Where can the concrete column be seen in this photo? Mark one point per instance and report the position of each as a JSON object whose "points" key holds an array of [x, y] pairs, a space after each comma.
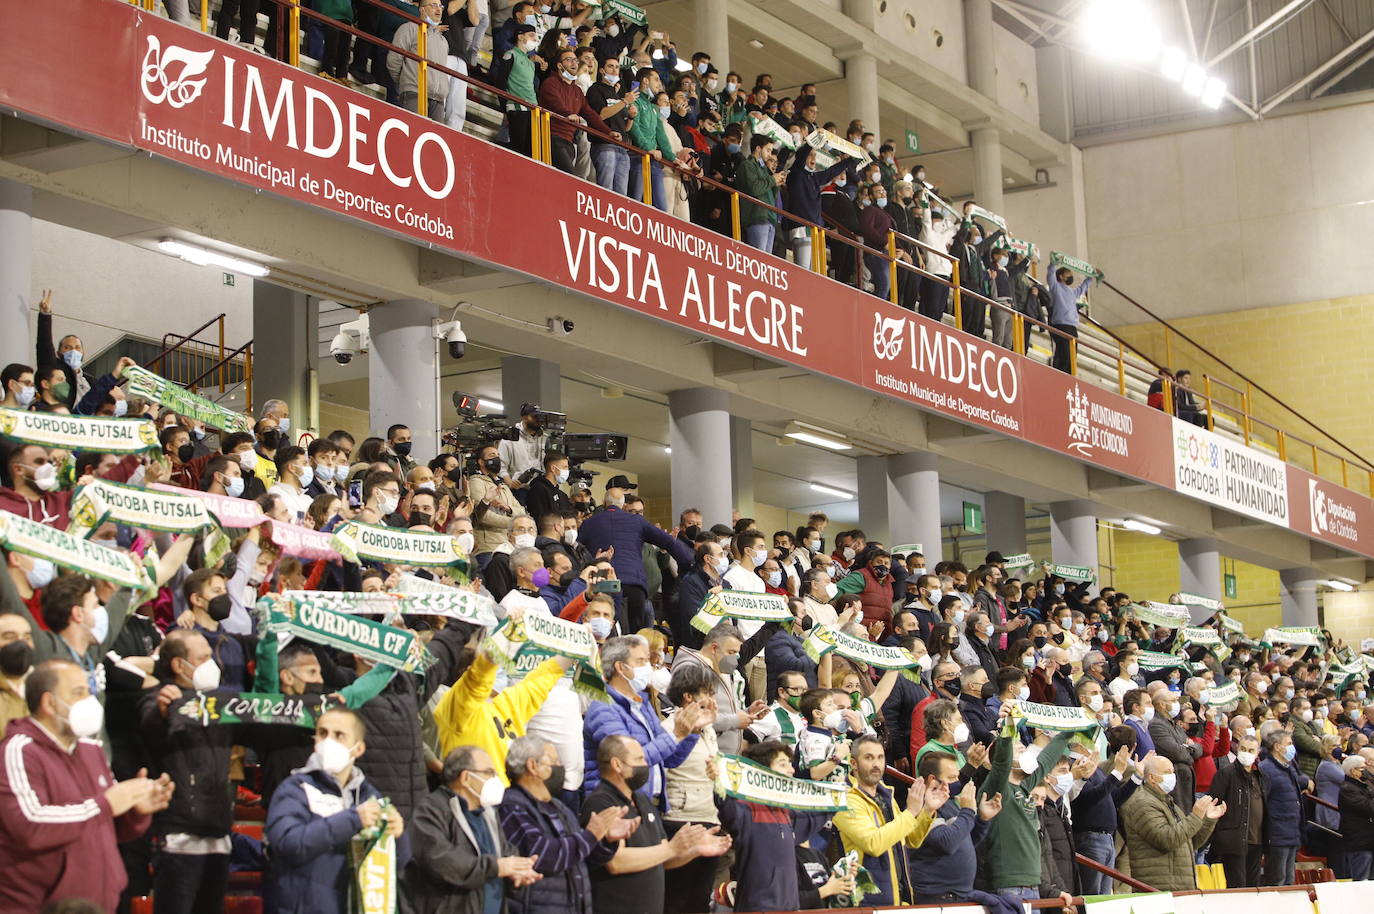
{"points": [[980, 51], [742, 465], [526, 380], [16, 272], [915, 511], [861, 77], [1199, 567], [1005, 519], [1052, 84], [401, 371], [863, 12], [1073, 533], [987, 167], [875, 499], [713, 37], [699, 434], [1298, 595], [285, 333]]}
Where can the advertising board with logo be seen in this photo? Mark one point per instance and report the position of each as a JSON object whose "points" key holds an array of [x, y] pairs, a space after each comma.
{"points": [[1328, 512], [1085, 421], [1226, 473], [144, 82]]}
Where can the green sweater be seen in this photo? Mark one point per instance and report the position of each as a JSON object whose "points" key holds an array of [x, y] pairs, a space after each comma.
{"points": [[1013, 838], [754, 179], [520, 78], [646, 130]]}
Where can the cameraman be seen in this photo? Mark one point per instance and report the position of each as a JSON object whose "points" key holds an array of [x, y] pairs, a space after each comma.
{"points": [[525, 453], [493, 505], [544, 495]]}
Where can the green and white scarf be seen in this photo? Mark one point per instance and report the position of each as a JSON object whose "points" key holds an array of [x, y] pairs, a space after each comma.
{"points": [[1169, 615], [144, 383], [312, 619], [80, 433], [822, 639], [1060, 259], [96, 502], [1021, 560], [356, 541], [1205, 637], [1303, 636], [1070, 572], [518, 643], [20, 534], [1224, 697], [463, 605], [1207, 603], [1157, 660], [863, 881], [221, 708], [741, 604], [372, 857], [745, 780], [989, 215], [1053, 717], [1235, 626]]}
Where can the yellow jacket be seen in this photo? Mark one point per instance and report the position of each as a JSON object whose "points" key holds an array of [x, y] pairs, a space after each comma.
{"points": [[864, 828], [468, 715]]}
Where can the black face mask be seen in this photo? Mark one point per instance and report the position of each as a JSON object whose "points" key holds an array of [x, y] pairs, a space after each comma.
{"points": [[806, 622], [555, 780], [1039, 641], [313, 688], [880, 571], [402, 448], [16, 658], [692, 532], [639, 776], [492, 465], [420, 518], [219, 607], [455, 475], [272, 439], [186, 452], [567, 577]]}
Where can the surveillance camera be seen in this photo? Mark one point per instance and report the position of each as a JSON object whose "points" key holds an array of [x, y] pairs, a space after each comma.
{"points": [[559, 326], [344, 346], [457, 340]]}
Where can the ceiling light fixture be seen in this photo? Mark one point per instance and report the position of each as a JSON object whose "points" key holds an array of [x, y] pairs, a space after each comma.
{"points": [[1173, 63], [203, 257], [1340, 585], [492, 404], [1194, 80], [1140, 526], [810, 434], [1122, 28], [667, 450], [756, 44], [1213, 92], [828, 490]]}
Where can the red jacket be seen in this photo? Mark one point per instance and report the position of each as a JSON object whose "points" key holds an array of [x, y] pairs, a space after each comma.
{"points": [[918, 724], [876, 598], [1213, 748], [59, 836], [567, 99], [54, 508]]}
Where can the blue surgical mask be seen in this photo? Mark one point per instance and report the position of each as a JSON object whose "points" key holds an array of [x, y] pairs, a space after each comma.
{"points": [[1290, 752], [234, 487], [775, 579], [73, 359], [732, 148], [1167, 782], [41, 574], [284, 425], [601, 627], [307, 476], [121, 408], [26, 395]]}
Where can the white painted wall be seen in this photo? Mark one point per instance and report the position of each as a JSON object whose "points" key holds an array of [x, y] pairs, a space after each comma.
{"points": [[929, 19], [1017, 88], [1242, 216], [104, 288], [1051, 215]]}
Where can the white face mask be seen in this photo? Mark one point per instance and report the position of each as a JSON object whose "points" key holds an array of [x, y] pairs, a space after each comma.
{"points": [[722, 564], [925, 663], [205, 678], [1095, 703], [1307, 715], [1246, 759], [988, 629], [935, 596], [100, 624], [660, 679], [613, 30], [1148, 713], [248, 459], [584, 81], [848, 553], [813, 545], [466, 541], [121, 408], [831, 591], [570, 536], [45, 478], [41, 574], [335, 757], [641, 677], [389, 504], [836, 721], [775, 579], [524, 540], [86, 717], [759, 556], [1024, 694], [961, 732], [1132, 669], [492, 793], [1030, 759], [1168, 782], [1063, 783]]}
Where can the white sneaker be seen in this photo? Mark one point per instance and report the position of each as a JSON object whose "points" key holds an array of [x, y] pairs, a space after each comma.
{"points": [[233, 35]]}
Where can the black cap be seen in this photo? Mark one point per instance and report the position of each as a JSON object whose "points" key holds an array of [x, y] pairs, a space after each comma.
{"points": [[620, 482], [524, 29], [994, 558]]}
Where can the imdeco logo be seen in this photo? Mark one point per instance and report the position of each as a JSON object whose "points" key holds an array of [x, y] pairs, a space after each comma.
{"points": [[888, 333], [169, 77]]}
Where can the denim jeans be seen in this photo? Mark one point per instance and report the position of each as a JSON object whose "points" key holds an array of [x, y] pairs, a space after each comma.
{"points": [[1019, 892], [612, 167], [1357, 864], [1280, 864], [472, 39], [760, 235], [879, 273], [636, 182], [1095, 845]]}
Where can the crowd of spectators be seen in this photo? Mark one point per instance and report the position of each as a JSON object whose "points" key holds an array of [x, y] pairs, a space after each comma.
{"points": [[508, 787], [612, 79]]}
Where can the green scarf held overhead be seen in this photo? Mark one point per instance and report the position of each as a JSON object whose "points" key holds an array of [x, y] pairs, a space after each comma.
{"points": [[144, 383], [740, 604], [517, 644], [745, 780], [314, 620]]}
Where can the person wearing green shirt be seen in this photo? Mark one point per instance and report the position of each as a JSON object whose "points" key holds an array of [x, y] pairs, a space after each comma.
{"points": [[1013, 838], [648, 133], [519, 72], [756, 180]]}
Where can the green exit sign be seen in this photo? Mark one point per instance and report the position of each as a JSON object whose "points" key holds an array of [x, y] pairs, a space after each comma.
{"points": [[973, 517], [913, 142], [1229, 581], [229, 279]]}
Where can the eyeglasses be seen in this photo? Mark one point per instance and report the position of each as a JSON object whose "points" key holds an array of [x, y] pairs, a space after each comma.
{"points": [[795, 690]]}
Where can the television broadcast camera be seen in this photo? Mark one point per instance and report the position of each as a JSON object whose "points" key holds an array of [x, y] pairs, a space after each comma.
{"points": [[474, 432]]}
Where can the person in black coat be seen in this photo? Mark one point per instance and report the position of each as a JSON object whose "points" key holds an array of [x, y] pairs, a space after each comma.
{"points": [[1238, 840], [544, 496], [1356, 802], [704, 577], [842, 215]]}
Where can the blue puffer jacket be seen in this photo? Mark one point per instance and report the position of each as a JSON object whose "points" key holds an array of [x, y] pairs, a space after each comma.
{"points": [[627, 533], [661, 748], [784, 653], [309, 825], [1283, 818]]}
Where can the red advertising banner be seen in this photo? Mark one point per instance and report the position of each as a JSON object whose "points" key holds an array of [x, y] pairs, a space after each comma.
{"points": [[140, 80], [1328, 512]]}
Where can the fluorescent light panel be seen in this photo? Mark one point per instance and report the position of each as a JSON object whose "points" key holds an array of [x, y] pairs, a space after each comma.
{"points": [[203, 257], [1140, 526], [827, 490], [1339, 585]]}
